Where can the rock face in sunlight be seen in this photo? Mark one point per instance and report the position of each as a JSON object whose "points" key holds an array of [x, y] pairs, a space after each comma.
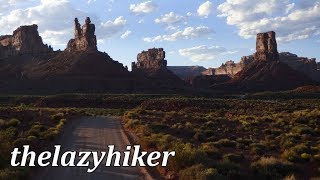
{"points": [[153, 59], [84, 38], [266, 47], [229, 68], [24, 41], [151, 70]]}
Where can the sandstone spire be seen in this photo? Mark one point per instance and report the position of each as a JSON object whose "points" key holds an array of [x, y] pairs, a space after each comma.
{"points": [[266, 47], [84, 38]]}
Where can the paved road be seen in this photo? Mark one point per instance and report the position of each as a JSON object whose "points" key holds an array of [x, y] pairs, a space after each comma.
{"points": [[93, 134]]}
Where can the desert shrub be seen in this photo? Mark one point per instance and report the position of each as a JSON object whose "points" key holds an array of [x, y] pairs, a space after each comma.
{"points": [[187, 156], [209, 133], [290, 177], [34, 131], [258, 148], [32, 138], [2, 123], [301, 148], [316, 157], [20, 142], [289, 140], [290, 155], [199, 136], [306, 156], [157, 127], [294, 154], [303, 129], [272, 168], [147, 143], [229, 169], [236, 158], [211, 151], [13, 122], [61, 123], [57, 117], [51, 134], [158, 141], [131, 123], [225, 143], [199, 172], [244, 141], [12, 173], [8, 134]]}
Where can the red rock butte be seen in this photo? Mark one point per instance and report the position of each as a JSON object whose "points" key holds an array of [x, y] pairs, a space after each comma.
{"points": [[153, 59], [24, 41]]}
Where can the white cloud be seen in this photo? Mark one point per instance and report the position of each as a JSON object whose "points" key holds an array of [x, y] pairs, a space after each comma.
{"points": [[111, 28], [55, 37], [289, 7], [169, 19], [172, 52], [143, 8], [204, 53], [55, 21], [100, 41], [290, 21], [187, 33], [205, 9], [125, 34], [13, 2], [90, 1], [52, 17]]}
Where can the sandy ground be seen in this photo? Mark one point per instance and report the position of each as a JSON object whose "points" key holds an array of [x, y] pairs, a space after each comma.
{"points": [[92, 134]]}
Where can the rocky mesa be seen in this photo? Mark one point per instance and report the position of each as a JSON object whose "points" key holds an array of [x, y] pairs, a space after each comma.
{"points": [[24, 41], [28, 65]]}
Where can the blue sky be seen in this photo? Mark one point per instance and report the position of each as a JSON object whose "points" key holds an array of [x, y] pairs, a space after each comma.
{"points": [[197, 32]]}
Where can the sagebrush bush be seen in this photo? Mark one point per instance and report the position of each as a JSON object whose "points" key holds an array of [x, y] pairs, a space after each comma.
{"points": [[13, 122], [271, 167], [187, 156], [232, 157], [225, 143], [57, 117], [199, 172]]}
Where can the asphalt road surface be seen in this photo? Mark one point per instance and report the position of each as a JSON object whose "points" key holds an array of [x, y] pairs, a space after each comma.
{"points": [[92, 134]]}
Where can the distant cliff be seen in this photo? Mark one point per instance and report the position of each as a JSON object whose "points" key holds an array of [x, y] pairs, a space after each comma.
{"points": [[187, 72], [305, 65]]}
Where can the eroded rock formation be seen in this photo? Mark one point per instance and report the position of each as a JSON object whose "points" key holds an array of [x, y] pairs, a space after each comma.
{"points": [[84, 38], [266, 72], [152, 73], [304, 65], [266, 47], [229, 68], [24, 41], [151, 60]]}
